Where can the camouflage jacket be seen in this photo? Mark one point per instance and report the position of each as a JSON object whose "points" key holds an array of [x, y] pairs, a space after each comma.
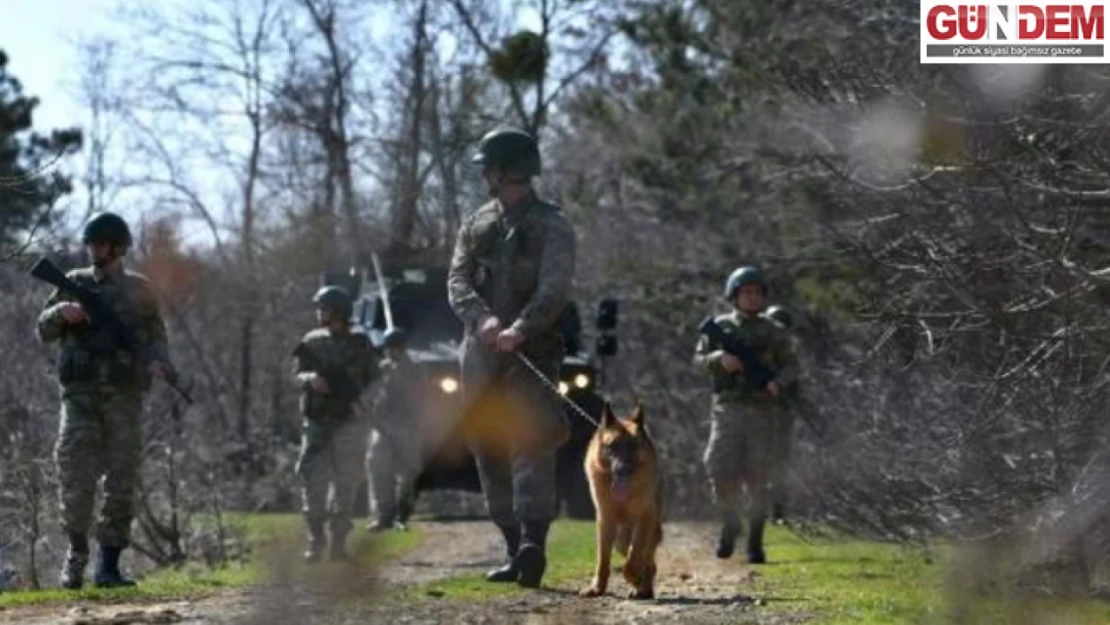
{"points": [[398, 399], [88, 357], [516, 263], [772, 344], [347, 362]]}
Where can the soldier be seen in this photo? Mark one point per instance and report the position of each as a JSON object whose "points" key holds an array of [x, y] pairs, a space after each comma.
{"points": [[394, 461], [102, 388], [509, 280], [745, 419], [332, 367], [785, 432]]}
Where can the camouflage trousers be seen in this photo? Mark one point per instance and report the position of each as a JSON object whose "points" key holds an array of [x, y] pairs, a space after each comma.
{"points": [[332, 453], [784, 449], [515, 426], [743, 455], [394, 463], [100, 436]]}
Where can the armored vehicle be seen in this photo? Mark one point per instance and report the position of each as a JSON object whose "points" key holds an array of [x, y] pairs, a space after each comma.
{"points": [[418, 304]]}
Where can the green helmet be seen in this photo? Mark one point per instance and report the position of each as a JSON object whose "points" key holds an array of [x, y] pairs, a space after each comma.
{"points": [[781, 315], [394, 337], [107, 228], [336, 298], [742, 276], [511, 149]]}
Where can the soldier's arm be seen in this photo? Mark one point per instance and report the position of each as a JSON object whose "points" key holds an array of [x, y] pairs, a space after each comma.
{"points": [[786, 356], [553, 282], [303, 375], [154, 336], [468, 305], [707, 356], [50, 322]]}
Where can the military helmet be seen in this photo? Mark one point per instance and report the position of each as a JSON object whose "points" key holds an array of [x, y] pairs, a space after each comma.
{"points": [[742, 276], [394, 337], [107, 228], [781, 315], [336, 298], [511, 149]]}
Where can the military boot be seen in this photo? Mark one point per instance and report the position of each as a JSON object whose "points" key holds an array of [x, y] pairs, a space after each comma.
{"points": [[73, 570], [508, 572], [531, 558], [107, 572], [726, 542], [338, 551], [316, 542], [755, 542]]}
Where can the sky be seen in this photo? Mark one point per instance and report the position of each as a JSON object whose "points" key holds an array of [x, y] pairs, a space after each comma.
{"points": [[40, 36]]}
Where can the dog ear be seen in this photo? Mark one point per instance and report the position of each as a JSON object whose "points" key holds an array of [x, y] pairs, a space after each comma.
{"points": [[638, 414], [608, 419]]}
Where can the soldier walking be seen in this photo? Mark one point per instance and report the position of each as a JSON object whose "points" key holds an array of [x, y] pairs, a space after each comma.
{"points": [[332, 367], [745, 419], [102, 388], [509, 280], [394, 461]]}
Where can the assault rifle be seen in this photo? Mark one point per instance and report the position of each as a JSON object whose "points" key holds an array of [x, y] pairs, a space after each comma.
{"points": [[102, 317], [754, 370]]}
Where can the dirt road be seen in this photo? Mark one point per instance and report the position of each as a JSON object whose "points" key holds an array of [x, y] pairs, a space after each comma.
{"points": [[693, 587]]}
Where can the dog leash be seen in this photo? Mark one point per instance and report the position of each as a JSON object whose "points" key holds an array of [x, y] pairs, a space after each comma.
{"points": [[551, 386]]}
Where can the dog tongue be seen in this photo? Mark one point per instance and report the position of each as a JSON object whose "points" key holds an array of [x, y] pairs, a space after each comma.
{"points": [[620, 488]]}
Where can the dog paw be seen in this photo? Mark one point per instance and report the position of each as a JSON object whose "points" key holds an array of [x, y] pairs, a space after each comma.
{"points": [[641, 593], [591, 591]]}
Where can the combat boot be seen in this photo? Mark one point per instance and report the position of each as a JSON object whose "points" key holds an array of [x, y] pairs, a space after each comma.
{"points": [[107, 573], [73, 570], [338, 551], [508, 572], [755, 542], [531, 558], [726, 542], [316, 542]]}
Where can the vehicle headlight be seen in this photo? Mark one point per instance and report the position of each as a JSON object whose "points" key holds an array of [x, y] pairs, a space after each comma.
{"points": [[563, 388], [449, 385], [581, 380]]}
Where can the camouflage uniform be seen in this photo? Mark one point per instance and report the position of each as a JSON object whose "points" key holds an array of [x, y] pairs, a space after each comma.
{"points": [[745, 422], [102, 388], [394, 461], [334, 433], [514, 262]]}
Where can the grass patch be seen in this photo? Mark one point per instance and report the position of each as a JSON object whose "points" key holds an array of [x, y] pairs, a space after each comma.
{"points": [[262, 532]]}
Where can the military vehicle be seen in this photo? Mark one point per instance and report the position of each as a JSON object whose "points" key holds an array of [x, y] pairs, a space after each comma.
{"points": [[419, 305]]}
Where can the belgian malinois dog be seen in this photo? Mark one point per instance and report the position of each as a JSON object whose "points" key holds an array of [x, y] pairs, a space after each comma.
{"points": [[623, 469]]}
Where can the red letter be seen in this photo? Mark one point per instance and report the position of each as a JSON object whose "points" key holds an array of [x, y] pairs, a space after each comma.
{"points": [[1082, 25], [1057, 16], [1035, 19], [940, 28], [979, 15]]}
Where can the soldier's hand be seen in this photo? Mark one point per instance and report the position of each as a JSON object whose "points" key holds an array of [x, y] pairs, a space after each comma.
{"points": [[774, 389], [509, 340], [320, 385], [731, 363], [489, 330], [72, 312]]}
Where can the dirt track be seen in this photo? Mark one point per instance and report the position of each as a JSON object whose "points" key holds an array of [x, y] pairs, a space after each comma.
{"points": [[693, 587]]}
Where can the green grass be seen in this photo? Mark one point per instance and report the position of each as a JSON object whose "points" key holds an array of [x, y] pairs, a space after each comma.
{"points": [[264, 533], [836, 581]]}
